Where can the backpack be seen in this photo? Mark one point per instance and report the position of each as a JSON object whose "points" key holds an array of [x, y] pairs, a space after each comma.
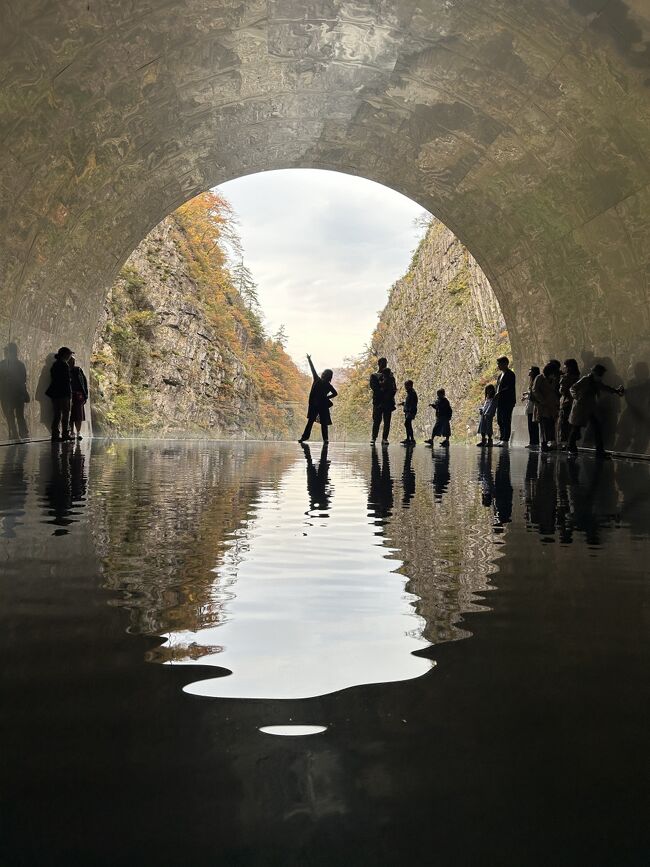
{"points": [[388, 383]]}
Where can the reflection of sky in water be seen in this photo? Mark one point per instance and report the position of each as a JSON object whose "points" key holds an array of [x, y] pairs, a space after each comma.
{"points": [[312, 604]]}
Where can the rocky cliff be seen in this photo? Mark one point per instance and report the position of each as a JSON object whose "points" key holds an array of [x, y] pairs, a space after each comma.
{"points": [[442, 327], [178, 351]]}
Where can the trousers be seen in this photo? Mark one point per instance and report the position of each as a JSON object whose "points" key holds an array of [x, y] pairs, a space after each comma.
{"points": [[504, 421], [533, 430], [574, 436], [61, 407], [379, 414], [310, 423]]}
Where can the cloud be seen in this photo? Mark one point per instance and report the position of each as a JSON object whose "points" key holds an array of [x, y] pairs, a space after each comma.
{"points": [[325, 249]]}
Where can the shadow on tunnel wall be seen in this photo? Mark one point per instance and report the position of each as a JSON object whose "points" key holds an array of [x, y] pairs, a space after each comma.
{"points": [[14, 395], [625, 421], [46, 413]]}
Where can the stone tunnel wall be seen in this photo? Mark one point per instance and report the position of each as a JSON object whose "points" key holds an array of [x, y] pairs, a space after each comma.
{"points": [[524, 127]]}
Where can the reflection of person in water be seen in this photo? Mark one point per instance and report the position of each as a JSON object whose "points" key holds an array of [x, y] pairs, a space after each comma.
{"points": [[380, 492], [65, 486], [545, 504], [318, 481], [13, 489], [485, 479], [13, 393], [408, 479], [503, 491], [496, 491], [441, 474]]}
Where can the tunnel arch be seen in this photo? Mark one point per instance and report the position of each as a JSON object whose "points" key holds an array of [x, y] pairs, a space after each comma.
{"points": [[524, 127]]}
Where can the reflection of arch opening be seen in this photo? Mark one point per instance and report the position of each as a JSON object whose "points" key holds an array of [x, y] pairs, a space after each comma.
{"points": [[523, 128]]}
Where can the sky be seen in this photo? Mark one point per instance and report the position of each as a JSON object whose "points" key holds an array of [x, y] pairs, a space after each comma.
{"points": [[324, 249]]}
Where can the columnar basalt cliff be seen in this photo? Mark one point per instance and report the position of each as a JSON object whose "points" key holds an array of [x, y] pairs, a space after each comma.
{"points": [[179, 351], [442, 327]]}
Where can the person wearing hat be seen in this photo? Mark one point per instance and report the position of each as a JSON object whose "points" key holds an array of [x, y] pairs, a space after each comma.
{"points": [[60, 393]]}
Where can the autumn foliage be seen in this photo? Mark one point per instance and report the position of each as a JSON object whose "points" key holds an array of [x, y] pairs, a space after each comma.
{"points": [[211, 245]]}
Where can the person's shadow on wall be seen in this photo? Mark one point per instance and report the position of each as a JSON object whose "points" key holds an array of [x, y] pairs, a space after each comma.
{"points": [[634, 423], [46, 413], [13, 393], [609, 405]]}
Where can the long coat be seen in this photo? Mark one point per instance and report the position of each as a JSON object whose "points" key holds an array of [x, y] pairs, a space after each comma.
{"points": [[61, 384], [547, 401], [585, 399]]}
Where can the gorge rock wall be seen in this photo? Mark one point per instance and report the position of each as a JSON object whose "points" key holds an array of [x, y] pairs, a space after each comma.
{"points": [[442, 327], [169, 360]]}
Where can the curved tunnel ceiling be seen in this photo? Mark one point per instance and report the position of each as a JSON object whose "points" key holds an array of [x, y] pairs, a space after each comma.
{"points": [[523, 125]]}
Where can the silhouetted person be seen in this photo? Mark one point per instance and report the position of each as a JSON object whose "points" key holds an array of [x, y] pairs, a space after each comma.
{"points": [[533, 424], [634, 423], [547, 405], [442, 425], [79, 385], [60, 393], [13, 393], [555, 372], [486, 415], [570, 375], [380, 490], [319, 402], [318, 480], [410, 404], [585, 394], [408, 480], [441, 475], [506, 397], [383, 386]]}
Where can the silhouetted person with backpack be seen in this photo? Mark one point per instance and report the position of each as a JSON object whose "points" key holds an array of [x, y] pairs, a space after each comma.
{"points": [[60, 393], [383, 387], [319, 402]]}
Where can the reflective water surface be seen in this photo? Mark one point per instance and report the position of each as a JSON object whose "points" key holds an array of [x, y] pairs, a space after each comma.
{"points": [[466, 633]]}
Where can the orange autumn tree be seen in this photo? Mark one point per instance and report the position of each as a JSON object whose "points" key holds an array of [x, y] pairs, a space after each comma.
{"points": [[210, 243]]}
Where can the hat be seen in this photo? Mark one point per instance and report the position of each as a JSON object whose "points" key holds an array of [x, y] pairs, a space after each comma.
{"points": [[64, 350]]}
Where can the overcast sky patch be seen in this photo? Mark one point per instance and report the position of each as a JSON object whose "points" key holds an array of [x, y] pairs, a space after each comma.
{"points": [[325, 248]]}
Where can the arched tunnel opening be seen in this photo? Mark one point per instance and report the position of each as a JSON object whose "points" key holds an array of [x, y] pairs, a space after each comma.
{"points": [[350, 271]]}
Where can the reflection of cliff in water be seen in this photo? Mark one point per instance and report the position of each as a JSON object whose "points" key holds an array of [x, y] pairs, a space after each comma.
{"points": [[172, 528], [165, 518], [439, 528]]}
